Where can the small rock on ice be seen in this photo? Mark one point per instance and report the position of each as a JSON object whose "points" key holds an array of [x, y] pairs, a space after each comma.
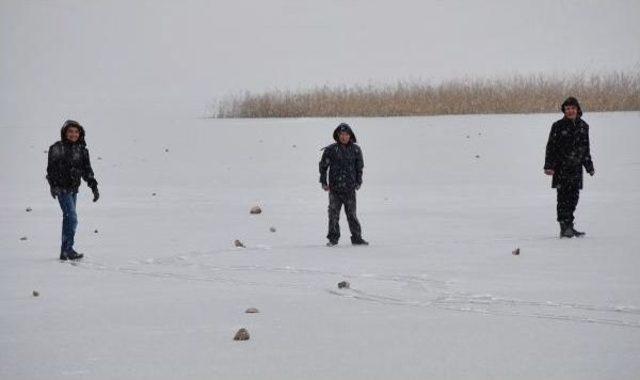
{"points": [[516, 252], [344, 285], [23, 238], [28, 209], [35, 293], [272, 229], [238, 243], [256, 210], [252, 310], [242, 334]]}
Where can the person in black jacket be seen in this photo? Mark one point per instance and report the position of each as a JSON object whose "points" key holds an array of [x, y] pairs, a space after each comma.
{"points": [[343, 160], [68, 163], [567, 153]]}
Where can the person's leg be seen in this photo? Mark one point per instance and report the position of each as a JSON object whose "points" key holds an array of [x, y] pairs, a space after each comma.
{"points": [[350, 210], [69, 220], [335, 205], [567, 202], [563, 207], [74, 220], [572, 202]]}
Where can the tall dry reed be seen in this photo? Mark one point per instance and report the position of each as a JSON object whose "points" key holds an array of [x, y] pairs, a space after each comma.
{"points": [[518, 94]]}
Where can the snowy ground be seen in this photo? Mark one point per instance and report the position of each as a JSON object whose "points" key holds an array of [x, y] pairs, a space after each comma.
{"points": [[438, 294]]}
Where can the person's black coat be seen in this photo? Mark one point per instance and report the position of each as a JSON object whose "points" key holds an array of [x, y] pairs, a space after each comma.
{"points": [[568, 152], [69, 162], [343, 162]]}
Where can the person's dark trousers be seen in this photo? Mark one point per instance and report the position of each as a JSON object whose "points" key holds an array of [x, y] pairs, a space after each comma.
{"points": [[67, 200], [567, 202], [336, 200]]}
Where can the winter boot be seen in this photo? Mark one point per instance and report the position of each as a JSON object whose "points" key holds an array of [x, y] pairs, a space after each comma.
{"points": [[332, 243], [358, 241], [577, 233], [71, 255], [566, 231]]}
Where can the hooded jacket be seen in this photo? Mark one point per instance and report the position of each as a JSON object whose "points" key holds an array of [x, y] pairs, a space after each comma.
{"points": [[344, 163], [568, 149], [69, 162]]}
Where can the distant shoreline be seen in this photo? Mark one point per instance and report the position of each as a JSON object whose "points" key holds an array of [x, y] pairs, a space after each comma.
{"points": [[615, 91]]}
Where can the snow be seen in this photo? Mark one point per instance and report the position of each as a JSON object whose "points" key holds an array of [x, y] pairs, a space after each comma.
{"points": [[438, 294]]}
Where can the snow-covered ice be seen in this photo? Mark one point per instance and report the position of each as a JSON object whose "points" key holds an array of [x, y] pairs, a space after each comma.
{"points": [[438, 294]]}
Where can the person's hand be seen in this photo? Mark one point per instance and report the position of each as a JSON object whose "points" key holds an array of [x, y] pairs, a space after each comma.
{"points": [[549, 172], [591, 173], [54, 192], [96, 194], [325, 187]]}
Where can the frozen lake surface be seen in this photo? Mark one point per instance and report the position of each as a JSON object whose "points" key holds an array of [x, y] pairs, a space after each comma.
{"points": [[438, 294]]}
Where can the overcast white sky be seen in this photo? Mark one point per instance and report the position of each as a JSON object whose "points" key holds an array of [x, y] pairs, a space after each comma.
{"points": [[177, 56]]}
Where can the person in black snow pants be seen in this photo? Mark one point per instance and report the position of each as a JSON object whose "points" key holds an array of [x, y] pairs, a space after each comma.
{"points": [[567, 153], [68, 163], [343, 160]]}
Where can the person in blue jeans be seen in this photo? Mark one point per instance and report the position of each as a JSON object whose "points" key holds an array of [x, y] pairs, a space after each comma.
{"points": [[68, 163]]}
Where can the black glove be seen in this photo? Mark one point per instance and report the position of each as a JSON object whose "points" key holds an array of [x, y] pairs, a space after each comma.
{"points": [[54, 192], [96, 194]]}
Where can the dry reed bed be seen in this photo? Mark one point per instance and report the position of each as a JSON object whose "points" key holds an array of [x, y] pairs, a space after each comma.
{"points": [[519, 94]]}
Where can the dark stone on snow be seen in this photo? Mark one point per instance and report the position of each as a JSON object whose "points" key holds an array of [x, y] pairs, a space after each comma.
{"points": [[23, 238], [516, 252], [242, 334], [35, 293], [344, 285], [255, 210], [238, 243], [28, 209], [252, 310]]}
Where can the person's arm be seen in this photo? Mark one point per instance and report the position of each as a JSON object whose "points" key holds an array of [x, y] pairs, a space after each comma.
{"points": [[51, 172], [325, 162], [551, 155], [88, 176], [586, 160], [359, 167]]}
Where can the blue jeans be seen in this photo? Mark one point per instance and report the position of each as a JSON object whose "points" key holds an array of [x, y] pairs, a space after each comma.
{"points": [[67, 202]]}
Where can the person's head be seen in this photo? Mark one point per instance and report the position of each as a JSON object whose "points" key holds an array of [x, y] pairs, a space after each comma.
{"points": [[571, 108], [343, 134], [72, 132], [344, 138]]}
